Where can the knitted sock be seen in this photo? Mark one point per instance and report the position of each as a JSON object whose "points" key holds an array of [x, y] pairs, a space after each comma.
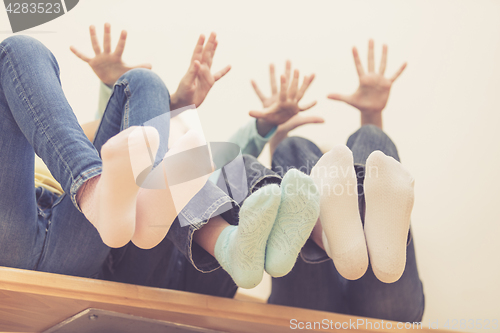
{"points": [[389, 201], [343, 231], [109, 201], [297, 215], [241, 249], [158, 208]]}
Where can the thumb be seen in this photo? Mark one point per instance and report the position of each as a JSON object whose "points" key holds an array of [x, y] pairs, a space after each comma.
{"points": [[300, 121], [147, 66], [339, 97], [257, 114]]}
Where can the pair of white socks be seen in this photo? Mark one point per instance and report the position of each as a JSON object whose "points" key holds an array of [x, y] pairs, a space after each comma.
{"points": [[118, 207], [388, 190]]}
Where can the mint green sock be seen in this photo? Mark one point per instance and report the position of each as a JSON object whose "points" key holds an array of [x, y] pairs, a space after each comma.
{"points": [[241, 249], [297, 215]]}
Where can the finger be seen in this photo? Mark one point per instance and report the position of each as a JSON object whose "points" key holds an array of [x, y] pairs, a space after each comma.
{"points": [[294, 86], [288, 71], [257, 91], [305, 85], [274, 87], [208, 51], [198, 49], [257, 114], [79, 54], [94, 40], [339, 97], [192, 72], [298, 121], [107, 38], [357, 62], [283, 89], [222, 72], [120, 47], [383, 61], [147, 66], [398, 73], [307, 107], [371, 57]]}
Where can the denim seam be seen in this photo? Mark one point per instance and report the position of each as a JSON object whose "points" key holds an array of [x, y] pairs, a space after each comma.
{"points": [[317, 261], [126, 112], [86, 175], [40, 127], [261, 179], [218, 204]]}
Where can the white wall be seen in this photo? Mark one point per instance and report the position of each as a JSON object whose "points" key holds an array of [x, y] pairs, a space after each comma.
{"points": [[443, 112]]}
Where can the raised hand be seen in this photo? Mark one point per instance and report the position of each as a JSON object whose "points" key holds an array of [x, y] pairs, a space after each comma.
{"points": [[107, 65], [195, 85], [374, 88], [282, 106]]}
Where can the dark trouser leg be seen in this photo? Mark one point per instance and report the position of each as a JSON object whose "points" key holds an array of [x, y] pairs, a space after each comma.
{"points": [[319, 286], [402, 300], [314, 282]]}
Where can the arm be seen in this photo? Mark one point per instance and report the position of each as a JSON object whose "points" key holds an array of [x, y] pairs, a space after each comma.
{"points": [[373, 92]]}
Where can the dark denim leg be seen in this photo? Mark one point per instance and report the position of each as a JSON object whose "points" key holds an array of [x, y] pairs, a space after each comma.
{"points": [[404, 299], [315, 286], [314, 282], [198, 274]]}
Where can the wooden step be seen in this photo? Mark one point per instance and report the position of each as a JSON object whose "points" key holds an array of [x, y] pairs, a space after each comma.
{"points": [[33, 302]]}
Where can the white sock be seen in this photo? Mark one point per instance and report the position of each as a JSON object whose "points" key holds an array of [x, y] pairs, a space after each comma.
{"points": [[335, 178], [158, 208], [109, 201], [389, 201]]}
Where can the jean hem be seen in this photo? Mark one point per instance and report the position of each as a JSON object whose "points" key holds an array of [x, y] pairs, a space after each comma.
{"points": [[78, 182], [212, 265]]}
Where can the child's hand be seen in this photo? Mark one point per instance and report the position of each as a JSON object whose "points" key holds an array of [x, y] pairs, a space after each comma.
{"points": [[195, 85], [279, 108], [373, 91], [107, 65]]}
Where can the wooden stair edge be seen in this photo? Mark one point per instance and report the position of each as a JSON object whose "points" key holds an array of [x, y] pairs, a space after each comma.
{"points": [[148, 298]]}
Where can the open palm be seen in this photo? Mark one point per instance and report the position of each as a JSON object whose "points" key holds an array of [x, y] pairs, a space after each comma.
{"points": [[374, 88], [107, 65], [195, 85], [283, 105]]}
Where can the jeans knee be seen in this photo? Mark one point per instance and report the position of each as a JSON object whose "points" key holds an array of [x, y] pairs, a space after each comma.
{"points": [[291, 144], [371, 130], [23, 45], [143, 78]]}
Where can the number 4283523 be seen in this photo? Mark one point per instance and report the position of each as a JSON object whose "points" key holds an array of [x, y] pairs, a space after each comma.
{"points": [[32, 8]]}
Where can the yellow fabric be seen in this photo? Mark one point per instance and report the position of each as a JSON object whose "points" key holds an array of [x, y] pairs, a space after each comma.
{"points": [[43, 178]]}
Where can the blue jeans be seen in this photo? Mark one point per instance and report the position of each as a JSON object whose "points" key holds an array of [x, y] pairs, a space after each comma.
{"points": [[314, 283], [38, 229], [179, 263]]}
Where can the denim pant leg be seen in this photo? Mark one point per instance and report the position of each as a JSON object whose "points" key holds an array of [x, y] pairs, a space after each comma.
{"points": [[138, 96], [402, 300], [233, 186], [198, 273], [314, 282], [36, 117]]}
